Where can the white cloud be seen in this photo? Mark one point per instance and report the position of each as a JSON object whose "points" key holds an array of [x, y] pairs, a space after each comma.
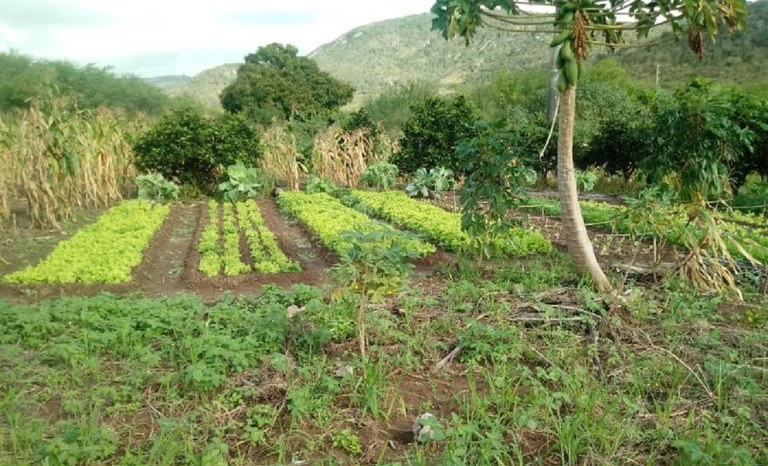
{"points": [[151, 37]]}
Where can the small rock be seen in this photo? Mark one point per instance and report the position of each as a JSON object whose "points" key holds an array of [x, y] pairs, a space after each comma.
{"points": [[344, 371], [292, 310]]}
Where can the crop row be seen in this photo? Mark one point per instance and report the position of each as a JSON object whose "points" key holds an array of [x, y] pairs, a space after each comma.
{"points": [[103, 252], [442, 227], [329, 219], [676, 224], [265, 252], [219, 243]]}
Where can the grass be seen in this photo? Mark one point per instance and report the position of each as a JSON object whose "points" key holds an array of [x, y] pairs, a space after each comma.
{"points": [[161, 381]]}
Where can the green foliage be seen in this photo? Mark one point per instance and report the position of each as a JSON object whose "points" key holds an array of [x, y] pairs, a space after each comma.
{"points": [[498, 171], [329, 219], [187, 146], [209, 245], [586, 180], [699, 136], [753, 196], [265, 252], [244, 183], [347, 441], [23, 78], [431, 134], [79, 445], [393, 106], [154, 187], [444, 228], [275, 83], [374, 263], [429, 184], [104, 252], [379, 175], [316, 185]]}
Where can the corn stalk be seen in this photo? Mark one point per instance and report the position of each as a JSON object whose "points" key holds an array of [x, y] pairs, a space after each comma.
{"points": [[280, 157], [62, 157], [341, 156]]}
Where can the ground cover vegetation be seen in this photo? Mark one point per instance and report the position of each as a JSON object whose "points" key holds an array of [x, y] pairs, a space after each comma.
{"points": [[448, 326]]}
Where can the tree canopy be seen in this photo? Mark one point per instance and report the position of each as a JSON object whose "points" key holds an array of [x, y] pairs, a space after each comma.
{"points": [[274, 82]]}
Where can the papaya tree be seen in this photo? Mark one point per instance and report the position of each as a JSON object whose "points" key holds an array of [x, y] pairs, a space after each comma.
{"points": [[578, 25]]}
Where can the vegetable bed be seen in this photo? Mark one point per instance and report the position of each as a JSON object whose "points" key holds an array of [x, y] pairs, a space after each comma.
{"points": [[329, 219], [103, 252], [440, 226], [220, 247]]}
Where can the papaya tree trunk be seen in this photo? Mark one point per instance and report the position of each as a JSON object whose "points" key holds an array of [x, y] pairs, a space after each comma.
{"points": [[574, 230]]}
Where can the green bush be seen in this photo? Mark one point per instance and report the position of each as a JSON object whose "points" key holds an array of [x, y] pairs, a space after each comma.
{"points": [[432, 133], [190, 148]]}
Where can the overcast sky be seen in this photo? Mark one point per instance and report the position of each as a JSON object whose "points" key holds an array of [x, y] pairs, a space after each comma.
{"points": [[160, 37]]}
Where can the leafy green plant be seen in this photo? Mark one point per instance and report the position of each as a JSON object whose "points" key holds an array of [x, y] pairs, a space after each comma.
{"points": [[154, 187], [498, 168], [429, 184], [243, 183], [380, 175], [347, 441], [585, 180], [316, 184], [374, 265]]}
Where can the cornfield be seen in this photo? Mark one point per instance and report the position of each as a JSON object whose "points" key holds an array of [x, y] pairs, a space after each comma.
{"points": [[280, 157], [342, 157], [59, 157]]}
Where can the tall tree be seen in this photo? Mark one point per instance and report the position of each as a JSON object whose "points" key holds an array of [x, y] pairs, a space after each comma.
{"points": [[274, 82], [578, 26]]}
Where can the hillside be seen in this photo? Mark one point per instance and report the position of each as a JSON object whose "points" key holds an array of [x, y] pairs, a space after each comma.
{"points": [[398, 51], [207, 86], [402, 50], [740, 58], [165, 82]]}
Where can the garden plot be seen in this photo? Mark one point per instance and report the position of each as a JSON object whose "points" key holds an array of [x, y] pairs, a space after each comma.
{"points": [[104, 252], [442, 227], [329, 219], [221, 242]]}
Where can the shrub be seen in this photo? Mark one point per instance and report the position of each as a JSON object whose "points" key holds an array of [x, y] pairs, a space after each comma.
{"points": [[431, 134], [379, 175], [188, 147]]}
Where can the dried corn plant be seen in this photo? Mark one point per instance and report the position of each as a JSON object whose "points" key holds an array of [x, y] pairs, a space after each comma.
{"points": [[341, 156], [64, 157], [8, 163], [280, 157]]}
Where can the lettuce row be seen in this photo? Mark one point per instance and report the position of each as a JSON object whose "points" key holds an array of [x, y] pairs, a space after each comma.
{"points": [[442, 227], [104, 252], [329, 219], [265, 252], [209, 245], [233, 265]]}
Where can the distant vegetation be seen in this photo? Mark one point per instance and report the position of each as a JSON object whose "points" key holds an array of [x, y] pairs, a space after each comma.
{"points": [[23, 78]]}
